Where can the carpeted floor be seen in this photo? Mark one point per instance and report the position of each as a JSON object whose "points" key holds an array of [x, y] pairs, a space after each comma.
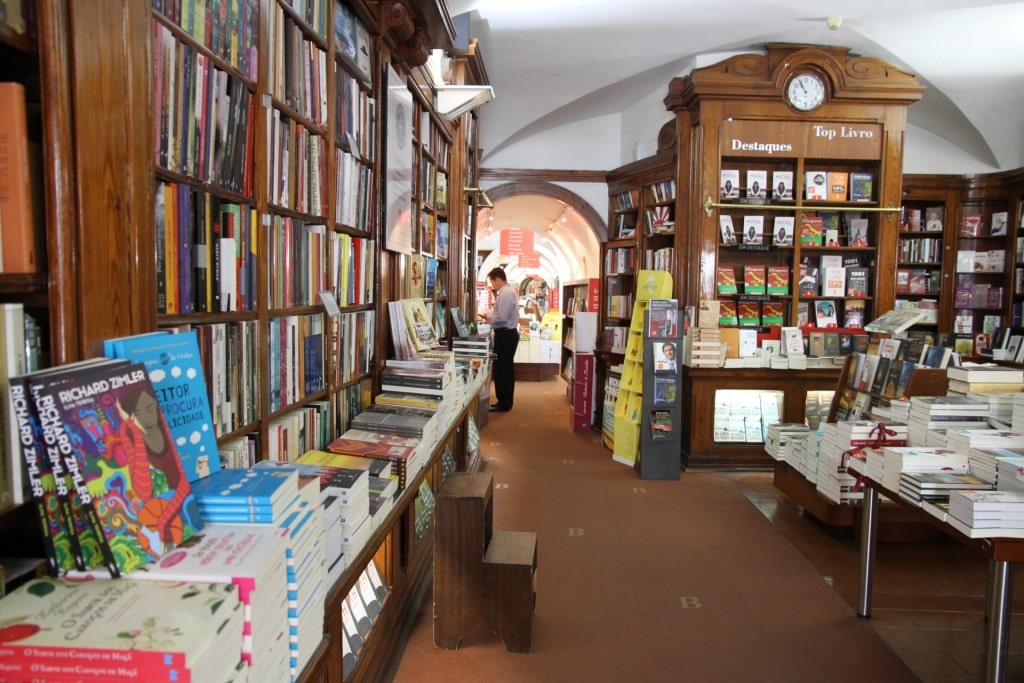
{"points": [[646, 580]]}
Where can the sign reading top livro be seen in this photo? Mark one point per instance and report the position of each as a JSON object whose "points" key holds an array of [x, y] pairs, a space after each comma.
{"points": [[828, 140]]}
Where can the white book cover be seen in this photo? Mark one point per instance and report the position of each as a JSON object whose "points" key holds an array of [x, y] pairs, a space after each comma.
{"points": [[730, 188], [816, 185], [12, 364], [757, 181], [834, 282], [728, 229], [782, 185], [792, 341], [783, 230], [753, 229]]}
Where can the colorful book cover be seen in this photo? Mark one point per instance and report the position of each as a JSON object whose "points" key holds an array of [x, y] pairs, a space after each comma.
{"points": [[417, 320], [750, 313], [727, 314], [253, 486], [161, 630], [175, 368], [115, 442], [726, 280], [812, 230], [772, 313], [754, 279], [778, 280]]}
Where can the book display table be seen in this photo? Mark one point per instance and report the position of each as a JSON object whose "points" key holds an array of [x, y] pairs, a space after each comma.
{"points": [[1002, 553]]}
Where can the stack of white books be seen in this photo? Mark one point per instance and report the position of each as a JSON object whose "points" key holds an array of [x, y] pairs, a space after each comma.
{"points": [[1017, 415], [307, 584], [807, 454], [966, 439], [901, 459], [1000, 414], [943, 413], [778, 362], [781, 437], [834, 481], [985, 461], [984, 514], [797, 362], [935, 487], [1010, 471], [251, 557]]}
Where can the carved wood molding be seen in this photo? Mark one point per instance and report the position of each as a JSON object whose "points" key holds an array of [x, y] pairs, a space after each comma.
{"points": [[414, 28], [851, 77]]}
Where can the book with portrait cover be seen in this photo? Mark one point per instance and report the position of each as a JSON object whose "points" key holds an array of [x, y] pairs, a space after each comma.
{"points": [[175, 368], [115, 442], [417, 319]]}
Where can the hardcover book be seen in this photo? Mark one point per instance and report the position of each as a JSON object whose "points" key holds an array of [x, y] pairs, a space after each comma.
{"points": [[778, 280], [970, 223], [754, 279], [857, 281], [417, 319], [730, 188], [175, 369], [783, 230], [726, 280], [114, 440], [757, 181], [772, 313], [825, 314], [812, 231], [815, 185], [753, 229], [861, 187], [728, 229], [728, 315], [858, 232], [782, 185]]}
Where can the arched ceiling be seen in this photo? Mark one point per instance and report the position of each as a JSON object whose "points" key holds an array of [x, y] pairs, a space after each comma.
{"points": [[557, 62]]}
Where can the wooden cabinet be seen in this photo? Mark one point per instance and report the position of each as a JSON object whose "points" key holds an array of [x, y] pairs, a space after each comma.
{"points": [[840, 167]]}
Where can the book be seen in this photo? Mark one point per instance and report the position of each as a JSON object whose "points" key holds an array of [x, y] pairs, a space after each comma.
{"points": [[834, 282], [986, 374], [175, 368], [857, 280], [895, 321], [270, 487], [726, 280], [13, 362], [825, 313], [753, 229], [116, 444], [999, 223], [971, 222], [816, 185], [782, 185], [730, 187], [417, 319], [857, 232], [861, 186], [754, 279], [661, 424], [837, 186], [21, 232], [757, 181], [727, 229], [853, 313], [778, 280], [782, 230], [812, 232]]}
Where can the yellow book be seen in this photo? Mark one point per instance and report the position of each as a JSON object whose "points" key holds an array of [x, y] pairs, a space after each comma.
{"points": [[653, 284]]}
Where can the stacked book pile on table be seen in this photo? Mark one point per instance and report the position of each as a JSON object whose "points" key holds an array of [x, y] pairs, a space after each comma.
{"points": [[781, 438], [981, 514], [932, 416]]}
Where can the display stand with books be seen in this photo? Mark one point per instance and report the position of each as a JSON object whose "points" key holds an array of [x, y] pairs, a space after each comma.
{"points": [[661, 406]]}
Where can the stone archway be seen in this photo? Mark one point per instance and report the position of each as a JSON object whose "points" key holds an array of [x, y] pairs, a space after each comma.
{"points": [[568, 197]]}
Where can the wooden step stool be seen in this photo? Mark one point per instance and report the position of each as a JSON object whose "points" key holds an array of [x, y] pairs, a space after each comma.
{"points": [[510, 587], [481, 576]]}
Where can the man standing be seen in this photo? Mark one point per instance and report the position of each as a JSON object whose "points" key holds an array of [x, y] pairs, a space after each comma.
{"points": [[504, 320]]}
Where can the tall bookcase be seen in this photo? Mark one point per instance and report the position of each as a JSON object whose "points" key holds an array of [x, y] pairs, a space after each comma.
{"points": [[734, 123], [276, 144]]}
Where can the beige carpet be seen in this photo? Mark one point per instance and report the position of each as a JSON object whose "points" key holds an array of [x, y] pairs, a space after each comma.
{"points": [[646, 580]]}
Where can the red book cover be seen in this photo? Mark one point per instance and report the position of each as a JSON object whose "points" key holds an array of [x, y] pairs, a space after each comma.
{"points": [[726, 280], [778, 280], [811, 230], [970, 224]]}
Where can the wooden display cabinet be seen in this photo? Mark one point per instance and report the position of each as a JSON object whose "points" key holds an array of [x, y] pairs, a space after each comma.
{"points": [[734, 117]]}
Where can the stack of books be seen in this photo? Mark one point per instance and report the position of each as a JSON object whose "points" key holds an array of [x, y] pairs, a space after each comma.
{"points": [[1000, 409], [405, 453], [990, 463], [834, 482], [964, 440], [781, 437], [96, 630], [985, 514], [935, 487], [307, 582], [931, 416], [806, 455], [1017, 416], [983, 379], [231, 496], [477, 346], [251, 557], [897, 460], [403, 421]]}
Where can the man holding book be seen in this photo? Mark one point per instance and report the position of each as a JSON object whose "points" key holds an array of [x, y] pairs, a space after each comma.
{"points": [[504, 320]]}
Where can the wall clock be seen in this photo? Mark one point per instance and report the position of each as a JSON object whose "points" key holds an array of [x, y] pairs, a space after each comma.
{"points": [[806, 91]]}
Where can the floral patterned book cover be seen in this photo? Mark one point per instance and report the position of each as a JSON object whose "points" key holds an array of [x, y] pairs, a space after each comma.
{"points": [[119, 630], [115, 442]]}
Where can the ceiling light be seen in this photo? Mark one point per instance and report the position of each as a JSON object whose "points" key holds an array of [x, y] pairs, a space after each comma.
{"points": [[455, 100]]}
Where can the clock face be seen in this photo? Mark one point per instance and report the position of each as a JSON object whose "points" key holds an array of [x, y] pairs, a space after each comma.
{"points": [[805, 91]]}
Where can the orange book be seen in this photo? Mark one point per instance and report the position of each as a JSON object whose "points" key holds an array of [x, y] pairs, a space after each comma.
{"points": [[838, 184], [21, 248]]}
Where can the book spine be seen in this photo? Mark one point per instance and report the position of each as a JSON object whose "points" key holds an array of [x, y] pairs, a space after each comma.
{"points": [[17, 222], [22, 663], [21, 406]]}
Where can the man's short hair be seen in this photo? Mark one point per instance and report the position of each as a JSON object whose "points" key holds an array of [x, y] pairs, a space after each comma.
{"points": [[497, 273]]}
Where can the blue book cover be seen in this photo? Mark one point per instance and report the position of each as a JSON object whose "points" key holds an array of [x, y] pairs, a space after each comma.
{"points": [[248, 486], [175, 369]]}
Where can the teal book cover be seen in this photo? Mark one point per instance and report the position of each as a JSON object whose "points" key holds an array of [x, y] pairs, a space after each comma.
{"points": [[175, 369]]}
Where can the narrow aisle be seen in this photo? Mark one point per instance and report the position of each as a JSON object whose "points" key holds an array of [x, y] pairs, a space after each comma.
{"points": [[645, 580]]}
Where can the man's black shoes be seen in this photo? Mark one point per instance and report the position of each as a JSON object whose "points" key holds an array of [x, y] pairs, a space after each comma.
{"points": [[498, 408]]}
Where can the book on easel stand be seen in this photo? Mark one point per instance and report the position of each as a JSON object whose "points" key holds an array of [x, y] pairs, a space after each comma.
{"points": [[661, 407]]}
